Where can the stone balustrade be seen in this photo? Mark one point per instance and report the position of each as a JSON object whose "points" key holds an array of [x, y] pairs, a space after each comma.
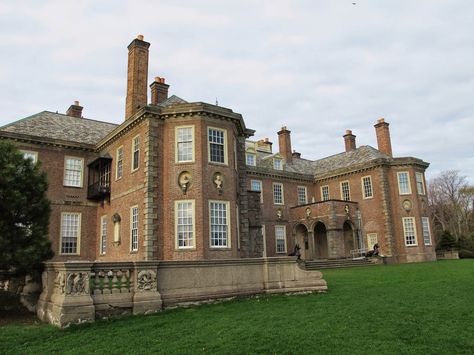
{"points": [[75, 292]]}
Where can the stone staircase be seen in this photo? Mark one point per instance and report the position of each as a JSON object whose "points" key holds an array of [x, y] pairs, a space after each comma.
{"points": [[336, 263]]}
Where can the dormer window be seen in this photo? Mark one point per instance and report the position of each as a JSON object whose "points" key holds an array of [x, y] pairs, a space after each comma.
{"points": [[251, 159], [277, 164]]}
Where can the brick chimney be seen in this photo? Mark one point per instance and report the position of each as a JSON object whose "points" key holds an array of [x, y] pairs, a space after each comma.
{"points": [[383, 137], [159, 91], [137, 76], [265, 145], [284, 143], [349, 140], [75, 110]]}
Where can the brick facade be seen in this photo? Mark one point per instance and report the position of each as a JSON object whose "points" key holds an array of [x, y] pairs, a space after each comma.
{"points": [[323, 229]]}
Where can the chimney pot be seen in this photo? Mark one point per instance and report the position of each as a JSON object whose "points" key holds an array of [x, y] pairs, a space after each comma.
{"points": [[140, 37]]}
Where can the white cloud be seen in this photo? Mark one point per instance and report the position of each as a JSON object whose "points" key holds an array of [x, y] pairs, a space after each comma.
{"points": [[318, 67]]}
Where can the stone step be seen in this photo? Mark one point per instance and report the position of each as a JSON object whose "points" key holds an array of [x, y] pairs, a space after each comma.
{"points": [[335, 264]]}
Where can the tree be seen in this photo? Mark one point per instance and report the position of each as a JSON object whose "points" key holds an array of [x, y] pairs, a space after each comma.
{"points": [[24, 213], [451, 201]]}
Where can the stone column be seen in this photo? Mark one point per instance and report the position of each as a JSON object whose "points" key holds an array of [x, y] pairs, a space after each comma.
{"points": [[335, 243], [146, 298], [312, 247]]}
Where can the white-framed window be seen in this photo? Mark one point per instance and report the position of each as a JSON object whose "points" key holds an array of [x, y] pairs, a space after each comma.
{"points": [[345, 191], [184, 222], [73, 167], [325, 193], [217, 145], [404, 187], [219, 224], [302, 195], [184, 144], [103, 235], [371, 240], [280, 239], [367, 191], [256, 185], [425, 221], [409, 231], [277, 164], [420, 184], [135, 153], [134, 228], [278, 198], [119, 163], [29, 154], [70, 233], [251, 159]]}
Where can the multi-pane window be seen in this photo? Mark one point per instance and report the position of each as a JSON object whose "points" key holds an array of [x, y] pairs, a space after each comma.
{"points": [[256, 185], [278, 193], [325, 193], [371, 240], [136, 153], [409, 230], [250, 159], [216, 145], [277, 164], [73, 171], [425, 222], [184, 141], [345, 191], [219, 221], [302, 195], [119, 163], [184, 224], [367, 187], [420, 185], [404, 183], [70, 232], [280, 239], [30, 155], [134, 228], [103, 235]]}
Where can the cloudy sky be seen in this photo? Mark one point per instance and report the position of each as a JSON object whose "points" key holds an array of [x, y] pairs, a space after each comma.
{"points": [[318, 67]]}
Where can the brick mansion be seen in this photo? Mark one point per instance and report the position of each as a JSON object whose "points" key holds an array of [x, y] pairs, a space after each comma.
{"points": [[186, 181]]}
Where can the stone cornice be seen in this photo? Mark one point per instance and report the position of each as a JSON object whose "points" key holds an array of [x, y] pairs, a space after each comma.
{"points": [[173, 111], [280, 174]]}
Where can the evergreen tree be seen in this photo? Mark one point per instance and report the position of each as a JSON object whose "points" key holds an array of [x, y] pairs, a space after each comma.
{"points": [[24, 212]]}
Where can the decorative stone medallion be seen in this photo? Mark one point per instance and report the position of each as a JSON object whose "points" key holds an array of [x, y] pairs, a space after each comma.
{"points": [[184, 181], [146, 280], [407, 205], [279, 213], [346, 209], [308, 212], [218, 180]]}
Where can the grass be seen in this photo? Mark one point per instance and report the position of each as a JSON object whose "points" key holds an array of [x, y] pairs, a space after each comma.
{"points": [[423, 308]]}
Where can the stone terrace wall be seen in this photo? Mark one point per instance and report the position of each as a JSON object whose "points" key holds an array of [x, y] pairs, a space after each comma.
{"points": [[75, 292]]}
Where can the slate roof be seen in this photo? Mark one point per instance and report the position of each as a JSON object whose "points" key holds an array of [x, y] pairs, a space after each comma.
{"points": [[172, 100], [361, 155], [52, 125]]}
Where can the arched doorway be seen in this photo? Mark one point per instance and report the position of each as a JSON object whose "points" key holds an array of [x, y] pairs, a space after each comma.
{"points": [[301, 237], [320, 241], [348, 238]]}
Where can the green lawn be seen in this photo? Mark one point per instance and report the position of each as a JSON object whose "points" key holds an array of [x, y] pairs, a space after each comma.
{"points": [[423, 308]]}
